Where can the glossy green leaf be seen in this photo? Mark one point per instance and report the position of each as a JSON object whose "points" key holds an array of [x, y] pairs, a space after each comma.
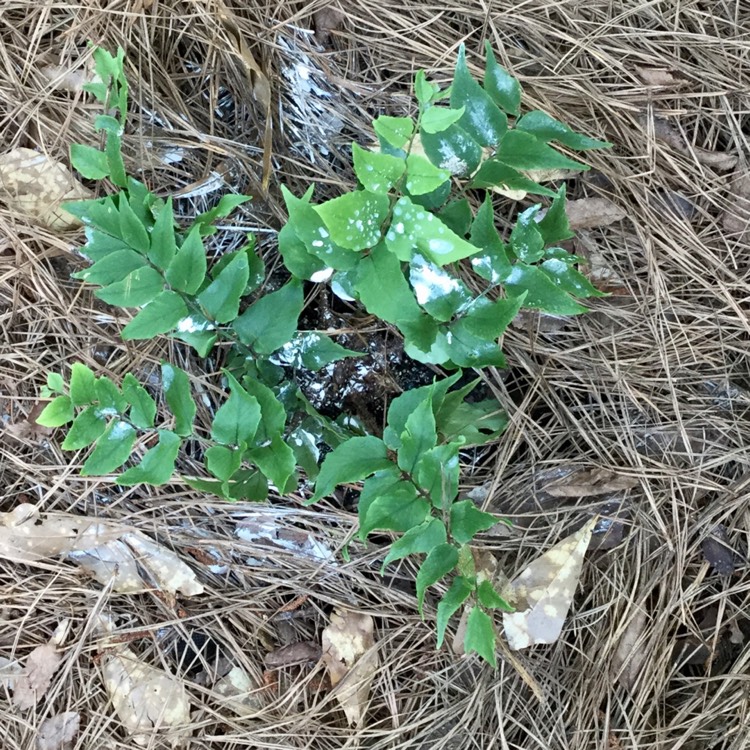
{"points": [[58, 412], [522, 150], [87, 427], [437, 473], [225, 206], [457, 216], [157, 465], [273, 414], [131, 227], [163, 240], [354, 219], [107, 123], [351, 461], [437, 119], [112, 449], [568, 279], [417, 540], [490, 599], [422, 176], [99, 245], [115, 164], [312, 351], [246, 484], [546, 128], [142, 406], [110, 397], [394, 130], [55, 382], [493, 173], [487, 319], [399, 509], [423, 89], [468, 350], [402, 407], [437, 291], [196, 331], [482, 119], [480, 636], [554, 226], [271, 321], [276, 460], [452, 149], [419, 333], [467, 521], [137, 289], [475, 422], [101, 214], [439, 562], [187, 270], [220, 300], [542, 292], [82, 384], [111, 268], [159, 316], [415, 230], [90, 162], [176, 385], [236, 421], [223, 461], [419, 435], [526, 240], [382, 270], [501, 85], [378, 172], [457, 594], [300, 262]]}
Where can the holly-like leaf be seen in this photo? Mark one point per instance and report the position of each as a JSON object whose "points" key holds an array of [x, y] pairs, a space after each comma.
{"points": [[414, 229], [87, 427], [437, 119], [271, 321], [163, 241], [546, 128], [137, 289], [492, 263], [143, 407], [131, 227], [276, 461], [378, 172], [187, 270], [236, 420], [522, 150], [394, 130], [501, 85], [225, 206], [452, 149], [423, 89], [351, 461], [111, 268], [312, 351], [157, 465], [110, 397], [526, 240], [467, 521], [554, 226], [159, 316], [490, 599], [457, 594], [221, 298], [82, 384], [176, 385], [486, 319], [439, 562], [58, 412], [90, 162], [398, 508], [480, 636], [354, 219], [112, 449], [493, 173], [417, 540], [568, 279], [300, 262], [457, 216], [541, 292], [418, 437], [222, 461], [482, 119], [437, 473], [422, 176], [439, 293]]}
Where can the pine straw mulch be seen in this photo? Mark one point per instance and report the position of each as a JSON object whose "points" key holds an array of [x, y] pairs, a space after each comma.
{"points": [[651, 384]]}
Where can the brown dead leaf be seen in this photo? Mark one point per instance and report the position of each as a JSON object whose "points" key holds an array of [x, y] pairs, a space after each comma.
{"points": [[58, 732], [239, 692], [34, 185], [351, 658], [718, 552], [662, 77], [736, 219], [587, 213], [146, 700], [631, 654], [38, 670], [112, 553], [64, 78], [325, 21], [667, 133], [543, 592], [295, 653], [585, 482], [261, 86]]}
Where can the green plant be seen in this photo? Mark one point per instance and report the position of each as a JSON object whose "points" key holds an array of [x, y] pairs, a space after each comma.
{"points": [[395, 244]]}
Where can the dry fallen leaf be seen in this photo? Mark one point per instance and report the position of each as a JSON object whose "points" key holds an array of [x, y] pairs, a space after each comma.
{"points": [[145, 699], [585, 482], [667, 133], [660, 77], [630, 654], [66, 79], [58, 732], [239, 692], [587, 213], [38, 669], [111, 553], [736, 219], [718, 553], [34, 185], [543, 592], [295, 653], [352, 661]]}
